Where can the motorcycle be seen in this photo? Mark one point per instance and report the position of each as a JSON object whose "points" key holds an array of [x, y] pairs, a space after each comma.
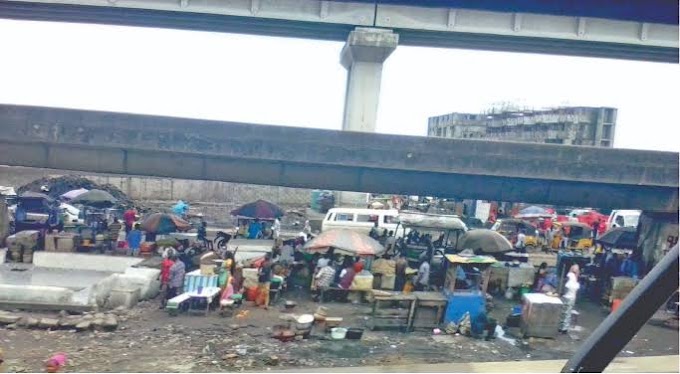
{"points": [[222, 239]]}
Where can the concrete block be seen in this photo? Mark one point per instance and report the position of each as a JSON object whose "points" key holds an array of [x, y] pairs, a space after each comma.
{"points": [[110, 322], [6, 319], [144, 278], [48, 323], [84, 325], [80, 261], [37, 294], [123, 297]]}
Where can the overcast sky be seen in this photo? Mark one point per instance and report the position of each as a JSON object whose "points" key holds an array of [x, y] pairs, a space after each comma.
{"points": [[301, 82]]}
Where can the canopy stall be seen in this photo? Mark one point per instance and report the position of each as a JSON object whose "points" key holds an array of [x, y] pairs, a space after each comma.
{"points": [[447, 227], [480, 280], [345, 242], [470, 298], [431, 221]]}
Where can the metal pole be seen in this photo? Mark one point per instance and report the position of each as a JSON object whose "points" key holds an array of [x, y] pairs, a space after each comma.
{"points": [[619, 327]]}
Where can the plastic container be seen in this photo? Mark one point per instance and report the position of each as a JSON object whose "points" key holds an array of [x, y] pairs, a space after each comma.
{"points": [[354, 333], [304, 322], [251, 293], [338, 333], [616, 304]]}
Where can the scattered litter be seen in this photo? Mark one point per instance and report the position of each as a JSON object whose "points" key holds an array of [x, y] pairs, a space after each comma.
{"points": [[500, 334], [629, 352], [436, 331]]}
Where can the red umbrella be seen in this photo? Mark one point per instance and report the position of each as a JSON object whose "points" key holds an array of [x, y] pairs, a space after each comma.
{"points": [[345, 242], [259, 209]]}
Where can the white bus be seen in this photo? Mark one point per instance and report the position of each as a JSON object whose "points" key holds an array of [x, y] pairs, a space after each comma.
{"points": [[360, 220]]}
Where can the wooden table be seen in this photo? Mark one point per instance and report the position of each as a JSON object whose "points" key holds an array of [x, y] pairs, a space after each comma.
{"points": [[434, 300], [392, 317]]}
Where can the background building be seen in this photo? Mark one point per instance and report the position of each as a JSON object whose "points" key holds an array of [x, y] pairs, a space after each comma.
{"points": [[563, 125]]}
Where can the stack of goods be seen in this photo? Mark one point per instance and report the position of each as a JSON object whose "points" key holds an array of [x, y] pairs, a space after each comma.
{"points": [[62, 242], [621, 287], [22, 244], [362, 281], [386, 268]]}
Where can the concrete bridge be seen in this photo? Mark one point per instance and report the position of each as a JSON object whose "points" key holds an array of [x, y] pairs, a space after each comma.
{"points": [[133, 144]]}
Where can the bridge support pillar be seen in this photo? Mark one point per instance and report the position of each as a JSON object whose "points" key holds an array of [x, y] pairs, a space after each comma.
{"points": [[363, 56]]}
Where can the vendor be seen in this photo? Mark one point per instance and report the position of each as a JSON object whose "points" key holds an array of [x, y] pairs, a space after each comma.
{"points": [[539, 277], [422, 282], [322, 281], [629, 267], [400, 273], [255, 229]]}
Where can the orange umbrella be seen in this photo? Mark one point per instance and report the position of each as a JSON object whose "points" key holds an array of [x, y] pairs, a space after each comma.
{"points": [[345, 242]]}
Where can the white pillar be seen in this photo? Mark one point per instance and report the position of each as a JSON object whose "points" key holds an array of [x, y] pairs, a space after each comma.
{"points": [[363, 56]]}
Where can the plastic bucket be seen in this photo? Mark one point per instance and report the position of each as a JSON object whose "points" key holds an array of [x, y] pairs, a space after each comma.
{"points": [[338, 333]]}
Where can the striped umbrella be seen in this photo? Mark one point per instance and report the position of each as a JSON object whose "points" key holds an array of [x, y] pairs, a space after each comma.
{"points": [[345, 242], [162, 223]]}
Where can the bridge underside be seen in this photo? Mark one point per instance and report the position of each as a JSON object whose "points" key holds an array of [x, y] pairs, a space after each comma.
{"points": [[634, 34], [296, 157]]}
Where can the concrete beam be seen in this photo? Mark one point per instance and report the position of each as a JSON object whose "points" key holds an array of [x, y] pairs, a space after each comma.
{"points": [[338, 160], [512, 31]]}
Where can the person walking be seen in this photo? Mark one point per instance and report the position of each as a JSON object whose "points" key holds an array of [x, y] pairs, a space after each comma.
{"points": [[569, 298], [521, 243]]}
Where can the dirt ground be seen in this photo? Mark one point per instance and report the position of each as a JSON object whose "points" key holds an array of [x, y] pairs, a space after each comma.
{"points": [[151, 341]]}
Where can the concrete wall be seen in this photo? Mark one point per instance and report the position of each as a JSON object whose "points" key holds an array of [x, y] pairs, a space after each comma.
{"points": [[168, 189]]}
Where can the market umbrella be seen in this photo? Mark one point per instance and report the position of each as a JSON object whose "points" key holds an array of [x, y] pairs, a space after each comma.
{"points": [[259, 209], [345, 242], [620, 237], [487, 240], [73, 193], [96, 198], [163, 223]]}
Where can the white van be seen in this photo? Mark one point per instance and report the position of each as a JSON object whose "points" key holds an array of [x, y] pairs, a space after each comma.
{"points": [[361, 220], [623, 218]]}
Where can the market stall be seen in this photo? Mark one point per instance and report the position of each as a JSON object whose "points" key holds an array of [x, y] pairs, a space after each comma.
{"points": [[465, 285]]}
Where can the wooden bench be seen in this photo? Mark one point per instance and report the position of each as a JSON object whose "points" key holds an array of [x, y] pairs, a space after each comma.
{"points": [[177, 304]]}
